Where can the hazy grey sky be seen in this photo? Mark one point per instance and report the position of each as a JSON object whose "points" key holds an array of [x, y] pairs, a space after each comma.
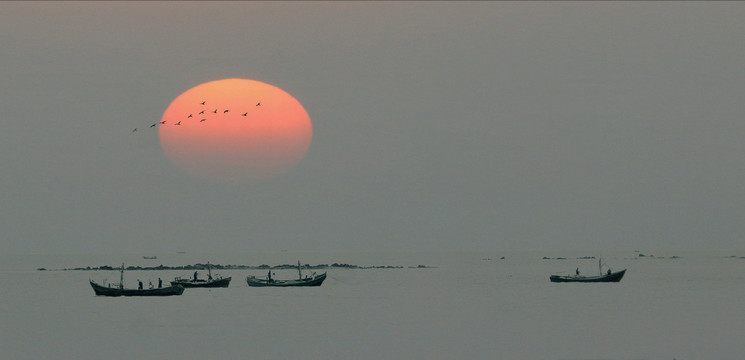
{"points": [[436, 126]]}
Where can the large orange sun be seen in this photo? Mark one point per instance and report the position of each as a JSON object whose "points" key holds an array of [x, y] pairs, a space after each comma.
{"points": [[235, 130]]}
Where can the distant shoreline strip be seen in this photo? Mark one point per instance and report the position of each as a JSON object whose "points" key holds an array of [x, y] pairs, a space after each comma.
{"points": [[236, 267]]}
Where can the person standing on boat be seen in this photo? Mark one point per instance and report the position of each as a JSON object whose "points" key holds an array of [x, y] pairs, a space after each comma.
{"points": [[195, 276], [160, 283], [269, 276], [576, 271], [609, 271], [140, 284]]}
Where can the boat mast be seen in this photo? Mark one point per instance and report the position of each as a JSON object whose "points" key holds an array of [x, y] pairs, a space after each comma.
{"points": [[600, 266], [209, 271], [121, 277], [299, 273]]}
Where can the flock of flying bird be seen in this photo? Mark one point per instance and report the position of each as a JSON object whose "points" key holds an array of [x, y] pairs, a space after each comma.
{"points": [[200, 113]]}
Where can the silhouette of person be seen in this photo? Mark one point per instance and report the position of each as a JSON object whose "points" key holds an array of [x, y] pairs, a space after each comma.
{"points": [[195, 276], [576, 271], [160, 283], [140, 284]]}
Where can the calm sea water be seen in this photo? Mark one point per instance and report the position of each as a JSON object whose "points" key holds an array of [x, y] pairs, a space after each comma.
{"points": [[469, 306]]}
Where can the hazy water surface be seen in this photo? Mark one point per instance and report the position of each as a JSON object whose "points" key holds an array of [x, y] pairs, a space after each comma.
{"points": [[468, 306]]}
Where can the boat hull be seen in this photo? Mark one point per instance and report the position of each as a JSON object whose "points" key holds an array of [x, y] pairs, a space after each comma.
{"points": [[218, 283], [166, 291], [313, 281], [612, 277]]}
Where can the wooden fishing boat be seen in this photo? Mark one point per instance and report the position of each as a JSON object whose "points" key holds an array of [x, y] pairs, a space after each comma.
{"points": [[210, 282], [607, 277], [612, 277], [119, 290], [312, 280]]}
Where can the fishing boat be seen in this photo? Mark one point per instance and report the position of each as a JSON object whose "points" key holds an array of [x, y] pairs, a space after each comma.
{"points": [[607, 277], [119, 290], [216, 282], [312, 280]]}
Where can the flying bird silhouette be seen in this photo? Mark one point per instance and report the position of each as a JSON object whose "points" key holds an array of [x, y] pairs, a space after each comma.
{"points": [[178, 123], [189, 116], [215, 111], [245, 114], [135, 129], [201, 112], [225, 111], [153, 125], [163, 122], [203, 102], [202, 120], [259, 104]]}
